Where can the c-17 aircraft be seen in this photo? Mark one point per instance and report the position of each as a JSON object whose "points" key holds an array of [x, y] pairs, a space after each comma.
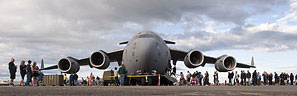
{"points": [[147, 53]]}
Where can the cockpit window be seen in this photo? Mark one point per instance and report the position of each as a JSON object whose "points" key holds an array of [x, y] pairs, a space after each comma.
{"points": [[146, 36]]}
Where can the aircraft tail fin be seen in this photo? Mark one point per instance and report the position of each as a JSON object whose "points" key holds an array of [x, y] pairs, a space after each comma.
{"points": [[252, 62], [42, 64]]}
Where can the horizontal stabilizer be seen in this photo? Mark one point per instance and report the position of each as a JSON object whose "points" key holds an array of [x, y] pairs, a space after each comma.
{"points": [[126, 42], [169, 42]]}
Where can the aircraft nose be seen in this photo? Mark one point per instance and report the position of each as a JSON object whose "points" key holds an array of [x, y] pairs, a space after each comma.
{"points": [[146, 54]]}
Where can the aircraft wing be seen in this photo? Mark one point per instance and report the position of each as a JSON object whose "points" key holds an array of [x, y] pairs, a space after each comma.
{"points": [[180, 55], [50, 67], [113, 56]]}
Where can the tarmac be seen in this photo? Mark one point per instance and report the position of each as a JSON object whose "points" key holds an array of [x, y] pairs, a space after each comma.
{"points": [[149, 91]]}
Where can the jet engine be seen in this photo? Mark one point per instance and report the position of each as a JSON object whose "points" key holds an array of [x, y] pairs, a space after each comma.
{"points": [[225, 63], [68, 65], [194, 58], [99, 60]]}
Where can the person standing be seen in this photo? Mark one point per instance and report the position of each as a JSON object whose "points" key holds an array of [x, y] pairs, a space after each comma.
{"points": [[98, 80], [206, 79], [270, 77], [22, 71], [282, 79], [65, 79], [248, 76], [188, 78], [241, 77], [116, 76], [29, 73], [276, 79], [194, 80], [35, 71], [75, 78], [71, 80], [244, 77], [296, 79], [200, 77], [265, 78], [229, 78], [291, 78], [236, 79], [92, 79], [255, 78], [122, 72], [12, 70], [40, 78], [181, 79], [259, 79], [285, 78], [216, 78]]}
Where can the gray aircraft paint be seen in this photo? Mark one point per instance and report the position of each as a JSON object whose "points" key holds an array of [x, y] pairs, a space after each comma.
{"points": [[146, 51]]}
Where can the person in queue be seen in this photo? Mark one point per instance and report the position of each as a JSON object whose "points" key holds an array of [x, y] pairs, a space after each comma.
{"points": [[23, 72], [12, 70], [35, 71]]}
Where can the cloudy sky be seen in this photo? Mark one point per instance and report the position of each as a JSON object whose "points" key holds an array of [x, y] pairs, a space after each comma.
{"points": [[36, 29]]}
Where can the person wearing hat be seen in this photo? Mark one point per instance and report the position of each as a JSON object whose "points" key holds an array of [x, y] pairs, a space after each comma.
{"points": [[29, 73]]}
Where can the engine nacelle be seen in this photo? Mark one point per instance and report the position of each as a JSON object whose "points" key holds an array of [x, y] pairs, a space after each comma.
{"points": [[225, 63], [194, 58], [68, 65], [99, 60]]}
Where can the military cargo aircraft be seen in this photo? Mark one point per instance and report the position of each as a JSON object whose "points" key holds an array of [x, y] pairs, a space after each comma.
{"points": [[147, 53]]}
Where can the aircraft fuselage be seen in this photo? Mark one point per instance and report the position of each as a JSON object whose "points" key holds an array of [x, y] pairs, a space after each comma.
{"points": [[145, 52]]}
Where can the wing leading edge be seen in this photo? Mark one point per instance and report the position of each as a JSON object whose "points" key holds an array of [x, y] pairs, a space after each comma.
{"points": [[114, 56], [178, 55]]}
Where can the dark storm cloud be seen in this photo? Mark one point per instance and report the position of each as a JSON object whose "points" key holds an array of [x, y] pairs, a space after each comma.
{"points": [[237, 38], [235, 11]]}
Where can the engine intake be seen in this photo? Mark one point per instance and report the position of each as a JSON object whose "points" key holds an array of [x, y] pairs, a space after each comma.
{"points": [[225, 63], [99, 60], [194, 58], [68, 65]]}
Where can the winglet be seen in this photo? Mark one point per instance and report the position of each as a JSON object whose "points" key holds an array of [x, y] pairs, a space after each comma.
{"points": [[42, 64]]}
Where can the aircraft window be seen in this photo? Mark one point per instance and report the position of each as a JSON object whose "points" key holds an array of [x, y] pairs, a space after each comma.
{"points": [[146, 36]]}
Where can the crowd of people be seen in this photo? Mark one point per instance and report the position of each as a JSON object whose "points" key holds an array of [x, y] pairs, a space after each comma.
{"points": [[95, 81], [195, 79], [34, 76], [31, 71], [73, 80], [239, 79]]}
